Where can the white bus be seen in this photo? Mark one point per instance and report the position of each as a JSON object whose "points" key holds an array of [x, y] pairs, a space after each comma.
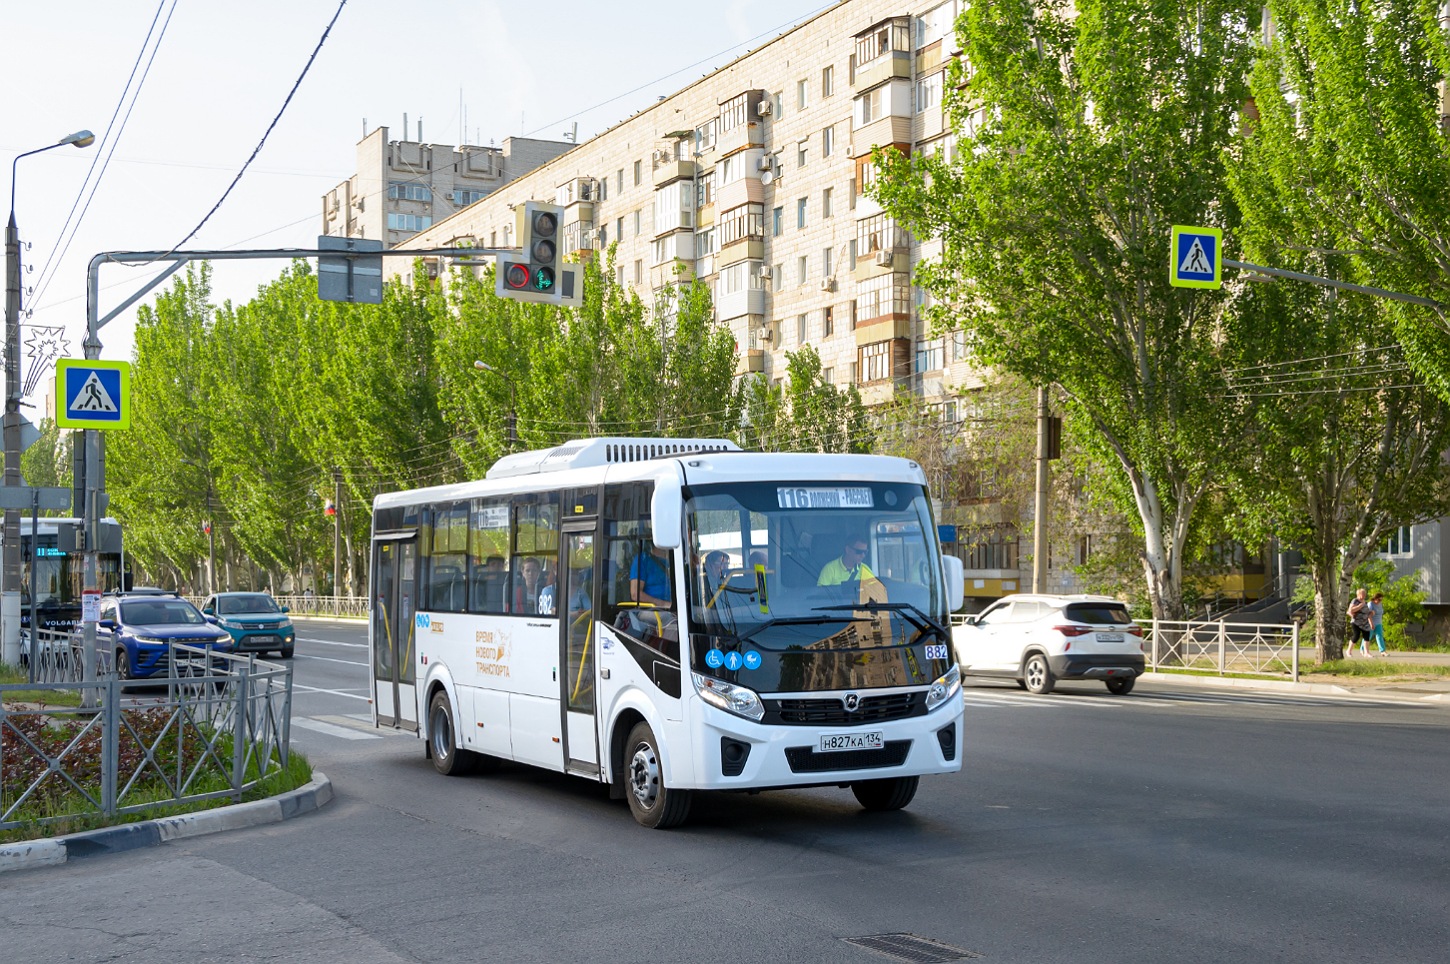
{"points": [[666, 616]]}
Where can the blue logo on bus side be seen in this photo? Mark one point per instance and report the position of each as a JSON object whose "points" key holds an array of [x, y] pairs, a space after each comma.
{"points": [[752, 660], [714, 659], [421, 620], [733, 661]]}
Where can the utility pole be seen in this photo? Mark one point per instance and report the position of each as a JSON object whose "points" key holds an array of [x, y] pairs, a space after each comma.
{"points": [[1039, 502], [337, 532]]}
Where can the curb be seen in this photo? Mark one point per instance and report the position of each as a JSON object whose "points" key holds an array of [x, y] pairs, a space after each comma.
{"points": [[1321, 689], [153, 833]]}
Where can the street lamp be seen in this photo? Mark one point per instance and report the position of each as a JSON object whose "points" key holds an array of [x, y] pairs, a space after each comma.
{"points": [[512, 427], [10, 560]]}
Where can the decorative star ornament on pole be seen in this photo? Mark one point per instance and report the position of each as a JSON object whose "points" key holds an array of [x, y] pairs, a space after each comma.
{"points": [[44, 346]]}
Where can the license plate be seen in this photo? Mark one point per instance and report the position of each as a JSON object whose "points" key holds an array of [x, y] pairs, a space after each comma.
{"points": [[1110, 637], [269, 640], [835, 742]]}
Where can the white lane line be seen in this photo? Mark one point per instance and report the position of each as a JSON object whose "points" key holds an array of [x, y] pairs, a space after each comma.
{"points": [[331, 642], [332, 729], [317, 689], [332, 659]]}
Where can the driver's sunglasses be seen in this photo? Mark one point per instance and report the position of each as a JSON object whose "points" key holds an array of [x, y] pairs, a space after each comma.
{"points": [[857, 550]]}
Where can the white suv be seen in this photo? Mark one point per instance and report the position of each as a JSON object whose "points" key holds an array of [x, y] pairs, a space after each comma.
{"points": [[1040, 639]]}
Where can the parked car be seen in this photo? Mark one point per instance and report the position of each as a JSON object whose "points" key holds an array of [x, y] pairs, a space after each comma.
{"points": [[256, 622], [1040, 639], [140, 628]]}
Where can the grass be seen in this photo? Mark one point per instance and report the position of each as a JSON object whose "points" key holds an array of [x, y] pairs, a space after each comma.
{"points": [[1373, 668], [42, 697]]}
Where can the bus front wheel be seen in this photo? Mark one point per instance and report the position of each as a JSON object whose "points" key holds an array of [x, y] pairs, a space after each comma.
{"points": [[448, 758], [891, 794], [653, 803]]}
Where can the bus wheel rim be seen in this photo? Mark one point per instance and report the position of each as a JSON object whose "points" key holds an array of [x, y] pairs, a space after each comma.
{"points": [[644, 775]]}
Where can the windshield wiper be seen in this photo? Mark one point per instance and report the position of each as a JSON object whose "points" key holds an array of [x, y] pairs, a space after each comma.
{"points": [[787, 621], [914, 614]]}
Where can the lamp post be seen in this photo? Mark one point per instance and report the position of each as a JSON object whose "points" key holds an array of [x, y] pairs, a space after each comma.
{"points": [[512, 427], [10, 564]]}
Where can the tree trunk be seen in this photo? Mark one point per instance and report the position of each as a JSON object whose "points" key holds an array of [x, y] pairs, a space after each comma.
{"points": [[1330, 594]]}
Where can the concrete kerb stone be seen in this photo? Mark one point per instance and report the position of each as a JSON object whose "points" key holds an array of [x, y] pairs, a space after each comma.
{"points": [[152, 833], [1383, 691]]}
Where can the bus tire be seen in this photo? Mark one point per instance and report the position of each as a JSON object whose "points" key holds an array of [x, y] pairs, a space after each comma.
{"points": [[448, 758], [653, 803], [890, 794]]}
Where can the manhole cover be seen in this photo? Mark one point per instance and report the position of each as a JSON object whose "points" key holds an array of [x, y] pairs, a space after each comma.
{"points": [[909, 947]]}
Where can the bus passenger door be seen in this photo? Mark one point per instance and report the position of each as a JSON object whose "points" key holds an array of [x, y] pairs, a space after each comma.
{"points": [[578, 647], [395, 580]]}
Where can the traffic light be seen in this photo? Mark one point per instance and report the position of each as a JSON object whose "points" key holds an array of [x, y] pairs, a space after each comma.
{"points": [[533, 273]]}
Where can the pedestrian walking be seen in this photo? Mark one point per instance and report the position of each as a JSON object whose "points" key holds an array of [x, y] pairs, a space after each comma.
{"points": [[1377, 615], [1360, 621]]}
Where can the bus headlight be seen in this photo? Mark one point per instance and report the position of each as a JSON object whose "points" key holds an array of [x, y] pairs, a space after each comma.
{"points": [[729, 697], [944, 688]]}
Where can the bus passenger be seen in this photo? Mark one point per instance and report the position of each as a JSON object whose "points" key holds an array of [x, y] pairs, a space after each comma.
{"points": [[527, 586], [649, 577]]}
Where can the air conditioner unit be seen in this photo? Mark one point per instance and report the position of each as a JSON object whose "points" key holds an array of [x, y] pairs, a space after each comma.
{"points": [[850, 150], [762, 109], [662, 157], [828, 284], [884, 258], [766, 163], [763, 333]]}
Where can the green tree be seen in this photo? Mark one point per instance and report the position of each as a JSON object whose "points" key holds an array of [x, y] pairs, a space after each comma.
{"points": [[1349, 99], [805, 413], [1085, 132]]}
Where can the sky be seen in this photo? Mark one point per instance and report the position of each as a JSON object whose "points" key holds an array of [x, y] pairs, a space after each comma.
{"points": [[214, 75]]}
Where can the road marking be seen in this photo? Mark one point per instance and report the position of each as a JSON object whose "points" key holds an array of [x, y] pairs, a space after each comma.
{"points": [[332, 729], [331, 642], [318, 689], [331, 659]]}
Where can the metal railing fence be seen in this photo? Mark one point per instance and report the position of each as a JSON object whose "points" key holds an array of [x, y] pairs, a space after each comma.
{"points": [[1223, 648], [352, 607], [219, 727]]}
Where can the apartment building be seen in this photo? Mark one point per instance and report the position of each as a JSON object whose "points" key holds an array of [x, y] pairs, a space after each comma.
{"points": [[404, 187]]}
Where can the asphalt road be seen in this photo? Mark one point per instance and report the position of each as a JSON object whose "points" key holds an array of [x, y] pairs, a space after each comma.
{"points": [[1179, 823]]}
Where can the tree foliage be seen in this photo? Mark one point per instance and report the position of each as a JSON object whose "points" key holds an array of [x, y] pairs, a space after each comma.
{"points": [[1085, 132]]}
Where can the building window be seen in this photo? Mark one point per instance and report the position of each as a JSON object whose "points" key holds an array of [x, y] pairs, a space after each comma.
{"points": [[959, 346], [851, 254], [828, 323], [673, 207], [637, 222], [935, 24], [800, 153], [604, 189], [879, 233], [826, 203], [778, 100], [992, 551], [828, 375], [930, 355], [826, 262], [400, 191], [638, 271], [800, 329], [868, 108], [800, 212], [928, 93], [874, 362], [881, 296], [619, 275], [1399, 543], [1083, 551], [619, 229], [409, 222], [775, 222], [802, 95], [619, 181], [732, 113], [705, 136], [828, 141], [638, 169], [801, 270], [777, 277], [705, 190], [882, 40], [465, 198], [828, 81]]}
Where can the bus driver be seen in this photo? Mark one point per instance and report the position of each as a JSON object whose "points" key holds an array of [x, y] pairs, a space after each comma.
{"points": [[850, 567]]}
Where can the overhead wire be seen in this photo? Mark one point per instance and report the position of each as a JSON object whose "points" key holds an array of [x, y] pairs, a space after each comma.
{"points": [[109, 140], [270, 127]]}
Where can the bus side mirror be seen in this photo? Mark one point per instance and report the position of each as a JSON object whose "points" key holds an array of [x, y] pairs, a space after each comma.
{"points": [[956, 582], [665, 512]]}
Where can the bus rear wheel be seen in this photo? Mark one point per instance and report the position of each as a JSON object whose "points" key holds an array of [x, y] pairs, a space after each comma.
{"points": [[653, 803], [448, 758], [890, 794]]}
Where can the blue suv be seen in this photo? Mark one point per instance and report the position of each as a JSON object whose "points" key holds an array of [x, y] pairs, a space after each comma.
{"points": [[256, 622], [140, 628]]}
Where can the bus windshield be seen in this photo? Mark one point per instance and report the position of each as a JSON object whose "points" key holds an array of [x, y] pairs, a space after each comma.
{"points": [[816, 567]]}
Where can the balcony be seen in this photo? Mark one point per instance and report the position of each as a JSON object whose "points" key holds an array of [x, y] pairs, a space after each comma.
{"points": [[751, 360], [737, 304], [889, 129], [741, 136], [746, 190], [746, 249], [883, 328], [888, 66], [673, 169], [874, 264]]}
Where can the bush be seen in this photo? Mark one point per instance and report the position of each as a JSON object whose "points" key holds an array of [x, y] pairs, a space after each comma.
{"points": [[1403, 599]]}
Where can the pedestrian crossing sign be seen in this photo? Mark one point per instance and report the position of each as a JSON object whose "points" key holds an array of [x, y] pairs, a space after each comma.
{"points": [[92, 394], [1195, 257]]}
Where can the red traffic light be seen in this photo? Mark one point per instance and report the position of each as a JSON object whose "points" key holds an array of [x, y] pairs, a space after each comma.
{"points": [[516, 277]]}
